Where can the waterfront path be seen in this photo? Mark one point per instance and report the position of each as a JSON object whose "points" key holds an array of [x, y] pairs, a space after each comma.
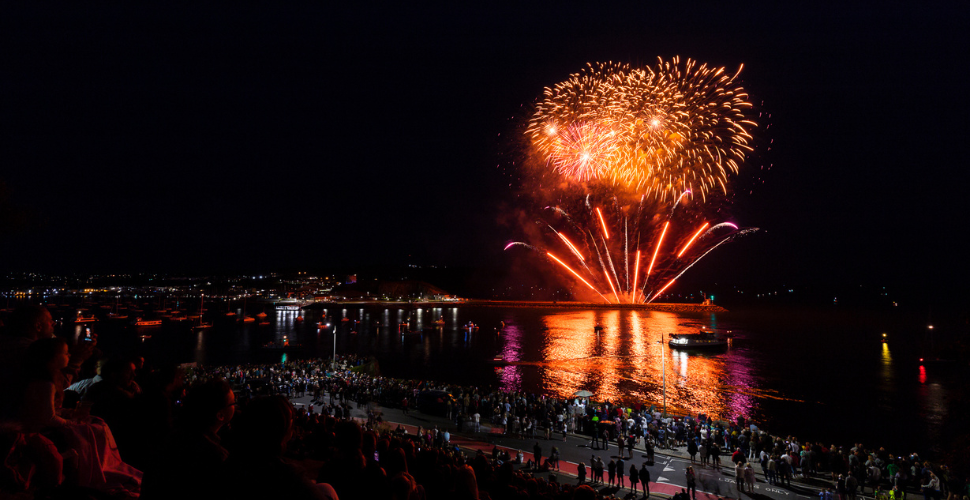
{"points": [[667, 473]]}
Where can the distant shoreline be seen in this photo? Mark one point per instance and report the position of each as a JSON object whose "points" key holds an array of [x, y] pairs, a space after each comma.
{"points": [[669, 307]]}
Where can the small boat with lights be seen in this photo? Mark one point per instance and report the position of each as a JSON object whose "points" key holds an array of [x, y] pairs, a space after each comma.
{"points": [[499, 360], [704, 339], [148, 322], [179, 317], [81, 318], [282, 345]]}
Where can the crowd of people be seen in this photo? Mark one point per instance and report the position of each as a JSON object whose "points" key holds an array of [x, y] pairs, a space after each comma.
{"points": [[75, 420]]}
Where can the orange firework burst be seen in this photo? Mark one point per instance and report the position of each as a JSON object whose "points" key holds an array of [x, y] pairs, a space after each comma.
{"points": [[583, 151], [634, 154], [659, 130]]}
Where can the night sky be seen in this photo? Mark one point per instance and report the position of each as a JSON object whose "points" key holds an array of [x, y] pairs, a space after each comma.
{"points": [[308, 135]]}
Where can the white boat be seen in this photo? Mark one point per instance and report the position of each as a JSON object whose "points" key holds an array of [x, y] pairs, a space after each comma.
{"points": [[703, 339]]}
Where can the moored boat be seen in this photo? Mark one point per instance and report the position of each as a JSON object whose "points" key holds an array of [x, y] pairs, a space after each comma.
{"points": [[704, 339], [85, 319], [498, 360]]}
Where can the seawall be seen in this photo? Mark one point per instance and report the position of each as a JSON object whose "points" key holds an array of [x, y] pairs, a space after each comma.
{"points": [[528, 304], [670, 307]]}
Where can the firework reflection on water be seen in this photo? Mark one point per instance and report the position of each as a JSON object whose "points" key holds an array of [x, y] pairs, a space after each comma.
{"points": [[624, 363]]}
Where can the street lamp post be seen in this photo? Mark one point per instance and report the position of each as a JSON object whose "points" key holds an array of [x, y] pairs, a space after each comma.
{"points": [[663, 366], [333, 362]]}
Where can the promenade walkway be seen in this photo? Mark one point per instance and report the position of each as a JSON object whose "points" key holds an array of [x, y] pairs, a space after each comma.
{"points": [[667, 474]]}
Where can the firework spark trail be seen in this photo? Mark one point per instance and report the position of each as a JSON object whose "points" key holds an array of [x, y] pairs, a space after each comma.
{"points": [[698, 233], [606, 233], [609, 260], [671, 282], [636, 271], [530, 247], [646, 277], [563, 264], [709, 250], [570, 245], [677, 203], [599, 256], [608, 280], [558, 211], [626, 248], [718, 226]]}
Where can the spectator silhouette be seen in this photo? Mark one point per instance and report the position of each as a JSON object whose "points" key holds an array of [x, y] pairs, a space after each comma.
{"points": [[82, 386], [87, 445], [44, 392], [191, 464], [112, 402], [24, 325], [345, 470], [155, 407], [255, 466]]}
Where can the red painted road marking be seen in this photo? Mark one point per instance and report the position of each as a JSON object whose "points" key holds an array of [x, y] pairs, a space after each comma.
{"points": [[570, 468]]}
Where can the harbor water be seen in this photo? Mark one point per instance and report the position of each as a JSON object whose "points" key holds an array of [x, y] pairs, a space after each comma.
{"points": [[816, 374]]}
